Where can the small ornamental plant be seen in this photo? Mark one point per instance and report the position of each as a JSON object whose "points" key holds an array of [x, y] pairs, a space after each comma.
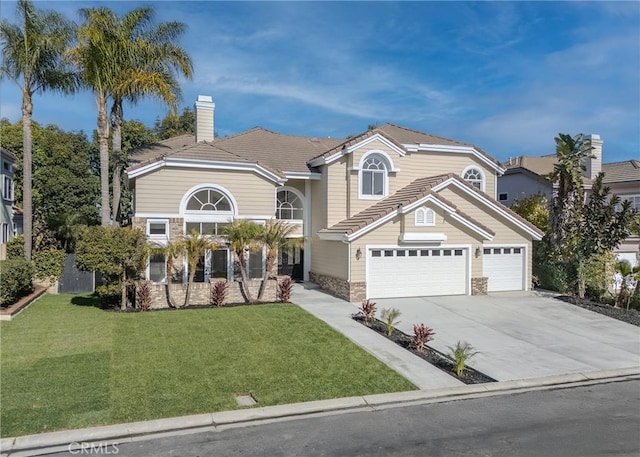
{"points": [[461, 353], [368, 311], [421, 336], [143, 295], [284, 290], [219, 293], [390, 319]]}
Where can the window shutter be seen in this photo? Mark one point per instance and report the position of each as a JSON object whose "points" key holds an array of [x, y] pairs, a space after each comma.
{"points": [[430, 217]]}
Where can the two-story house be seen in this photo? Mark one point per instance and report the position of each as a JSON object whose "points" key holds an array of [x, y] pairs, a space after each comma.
{"points": [[529, 175], [7, 164], [391, 212]]}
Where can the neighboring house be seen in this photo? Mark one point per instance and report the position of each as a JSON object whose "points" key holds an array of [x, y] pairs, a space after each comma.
{"points": [[527, 175], [8, 164], [391, 212]]}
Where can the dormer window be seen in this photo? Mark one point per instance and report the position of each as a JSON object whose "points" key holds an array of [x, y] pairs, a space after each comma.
{"points": [[425, 217], [373, 177], [474, 176]]}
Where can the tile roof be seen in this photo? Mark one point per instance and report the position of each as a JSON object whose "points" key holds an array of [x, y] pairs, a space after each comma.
{"points": [[629, 170], [274, 151], [411, 193], [402, 135], [542, 165]]}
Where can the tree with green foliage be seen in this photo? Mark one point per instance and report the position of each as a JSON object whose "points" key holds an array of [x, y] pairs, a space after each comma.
{"points": [[173, 125], [32, 57], [276, 236], [65, 189], [243, 237], [119, 253], [571, 152], [147, 64]]}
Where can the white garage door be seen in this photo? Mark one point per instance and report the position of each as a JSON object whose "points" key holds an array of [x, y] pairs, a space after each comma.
{"points": [[504, 266], [402, 272]]}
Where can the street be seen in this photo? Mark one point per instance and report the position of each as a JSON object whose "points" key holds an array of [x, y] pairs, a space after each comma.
{"points": [[593, 420]]}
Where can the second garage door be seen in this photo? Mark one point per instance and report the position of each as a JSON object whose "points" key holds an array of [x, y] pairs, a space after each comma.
{"points": [[402, 272], [504, 268]]}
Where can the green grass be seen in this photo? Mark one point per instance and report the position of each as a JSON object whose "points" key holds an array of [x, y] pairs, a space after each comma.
{"points": [[64, 365]]}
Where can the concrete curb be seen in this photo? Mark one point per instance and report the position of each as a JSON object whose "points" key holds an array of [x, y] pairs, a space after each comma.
{"points": [[45, 443]]}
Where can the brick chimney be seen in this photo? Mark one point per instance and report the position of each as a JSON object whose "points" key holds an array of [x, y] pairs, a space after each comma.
{"points": [[204, 107], [593, 165]]}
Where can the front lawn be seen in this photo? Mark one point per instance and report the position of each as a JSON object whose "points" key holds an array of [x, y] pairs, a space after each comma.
{"points": [[70, 365]]}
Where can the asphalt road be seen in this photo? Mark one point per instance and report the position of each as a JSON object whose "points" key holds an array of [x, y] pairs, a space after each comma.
{"points": [[598, 420]]}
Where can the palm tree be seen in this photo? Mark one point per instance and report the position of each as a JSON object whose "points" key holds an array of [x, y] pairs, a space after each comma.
{"points": [[275, 236], [243, 236], [191, 247], [32, 54], [572, 152], [149, 64], [96, 56]]}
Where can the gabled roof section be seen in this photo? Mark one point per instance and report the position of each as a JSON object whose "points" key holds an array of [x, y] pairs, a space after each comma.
{"points": [[627, 171], [419, 190], [353, 143], [8, 154], [489, 201], [405, 140]]}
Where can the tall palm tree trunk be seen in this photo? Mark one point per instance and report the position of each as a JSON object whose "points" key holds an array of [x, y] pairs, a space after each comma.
{"points": [[116, 142], [27, 111], [268, 274], [103, 138]]}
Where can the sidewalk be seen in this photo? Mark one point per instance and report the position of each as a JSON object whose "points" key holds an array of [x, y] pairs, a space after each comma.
{"points": [[337, 314]]}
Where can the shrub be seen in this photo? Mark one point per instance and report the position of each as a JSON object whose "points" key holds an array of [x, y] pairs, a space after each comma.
{"points": [[109, 294], [15, 247], [48, 264], [556, 276], [461, 353], [421, 336], [368, 310], [143, 295], [219, 293], [284, 290], [17, 277], [390, 318]]}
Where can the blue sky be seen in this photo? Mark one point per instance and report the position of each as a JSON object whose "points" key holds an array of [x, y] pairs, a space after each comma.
{"points": [[506, 76]]}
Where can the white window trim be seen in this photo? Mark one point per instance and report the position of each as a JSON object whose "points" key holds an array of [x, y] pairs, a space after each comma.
{"points": [[387, 162], [148, 271], [425, 222], [300, 196], [205, 214], [160, 239], [484, 177], [11, 197]]}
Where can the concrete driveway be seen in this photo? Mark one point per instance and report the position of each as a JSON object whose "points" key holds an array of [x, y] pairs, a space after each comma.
{"points": [[522, 335]]}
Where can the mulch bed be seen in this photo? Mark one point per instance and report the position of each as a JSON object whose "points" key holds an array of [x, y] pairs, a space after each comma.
{"points": [[433, 356], [630, 316]]}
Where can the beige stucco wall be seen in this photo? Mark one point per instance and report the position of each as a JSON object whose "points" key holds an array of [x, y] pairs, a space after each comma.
{"points": [[161, 191], [412, 166]]}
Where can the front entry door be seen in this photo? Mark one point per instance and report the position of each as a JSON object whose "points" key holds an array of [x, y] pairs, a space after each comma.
{"points": [[290, 263]]}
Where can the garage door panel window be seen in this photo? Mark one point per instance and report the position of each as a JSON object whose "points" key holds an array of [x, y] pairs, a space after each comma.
{"points": [[504, 268], [417, 272]]}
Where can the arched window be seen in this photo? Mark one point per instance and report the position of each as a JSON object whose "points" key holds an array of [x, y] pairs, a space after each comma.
{"points": [[425, 217], [289, 205], [373, 177], [474, 176], [208, 200]]}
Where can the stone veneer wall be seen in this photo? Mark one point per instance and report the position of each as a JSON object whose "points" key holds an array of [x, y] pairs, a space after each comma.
{"points": [[341, 288], [479, 285], [201, 293]]}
